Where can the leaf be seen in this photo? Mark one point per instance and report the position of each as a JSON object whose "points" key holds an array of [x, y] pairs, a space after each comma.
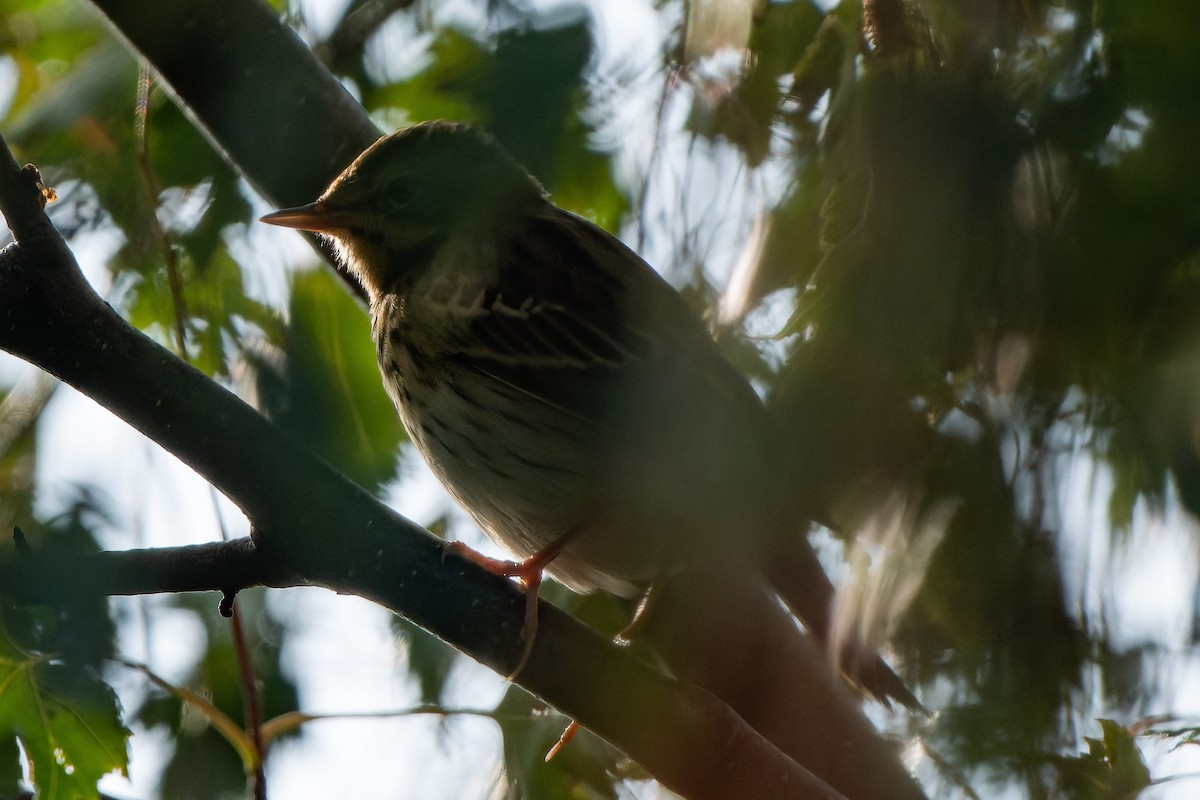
{"points": [[821, 67], [528, 90], [438, 91], [1129, 771], [584, 180], [744, 116], [80, 126], [67, 721], [181, 158], [10, 767], [1111, 769], [328, 390], [77, 627], [219, 313]]}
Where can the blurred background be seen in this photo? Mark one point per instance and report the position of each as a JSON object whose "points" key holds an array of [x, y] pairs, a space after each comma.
{"points": [[955, 245]]}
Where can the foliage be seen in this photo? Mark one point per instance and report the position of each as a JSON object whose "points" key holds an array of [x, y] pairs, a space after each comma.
{"points": [[328, 388], [982, 217], [66, 720], [53, 699]]}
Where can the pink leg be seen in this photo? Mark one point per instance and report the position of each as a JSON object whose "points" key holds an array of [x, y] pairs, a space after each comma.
{"points": [[529, 572]]}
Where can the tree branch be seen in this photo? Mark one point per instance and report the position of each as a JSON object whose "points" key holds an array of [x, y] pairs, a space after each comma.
{"points": [[311, 521], [342, 49], [36, 577]]}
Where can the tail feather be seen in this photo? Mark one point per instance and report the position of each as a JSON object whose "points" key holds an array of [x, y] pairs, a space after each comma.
{"points": [[797, 575]]}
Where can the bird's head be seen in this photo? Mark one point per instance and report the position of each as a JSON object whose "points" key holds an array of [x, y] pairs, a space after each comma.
{"points": [[407, 194]]}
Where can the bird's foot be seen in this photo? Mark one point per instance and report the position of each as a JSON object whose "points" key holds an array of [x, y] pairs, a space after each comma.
{"points": [[529, 572]]}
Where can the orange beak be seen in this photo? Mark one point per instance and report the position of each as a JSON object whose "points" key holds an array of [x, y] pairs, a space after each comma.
{"points": [[316, 217]]}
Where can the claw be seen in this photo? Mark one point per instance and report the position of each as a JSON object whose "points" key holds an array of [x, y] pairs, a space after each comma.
{"points": [[529, 572], [567, 735]]}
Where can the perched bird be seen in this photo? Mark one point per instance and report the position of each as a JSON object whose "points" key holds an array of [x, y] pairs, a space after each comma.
{"points": [[562, 391]]}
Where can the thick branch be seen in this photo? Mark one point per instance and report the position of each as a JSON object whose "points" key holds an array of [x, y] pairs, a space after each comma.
{"points": [[315, 523]]}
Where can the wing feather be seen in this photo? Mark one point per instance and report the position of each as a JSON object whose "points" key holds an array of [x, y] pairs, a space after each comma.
{"points": [[573, 318]]}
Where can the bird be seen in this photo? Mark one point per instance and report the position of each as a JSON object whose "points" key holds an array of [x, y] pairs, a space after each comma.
{"points": [[562, 391]]}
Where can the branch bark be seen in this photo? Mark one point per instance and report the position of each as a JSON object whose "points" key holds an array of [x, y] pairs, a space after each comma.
{"points": [[227, 566], [312, 522]]}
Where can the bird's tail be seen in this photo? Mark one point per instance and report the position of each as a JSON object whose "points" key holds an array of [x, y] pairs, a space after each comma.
{"points": [[797, 575]]}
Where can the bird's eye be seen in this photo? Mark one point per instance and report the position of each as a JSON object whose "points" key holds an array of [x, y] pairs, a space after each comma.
{"points": [[401, 194]]}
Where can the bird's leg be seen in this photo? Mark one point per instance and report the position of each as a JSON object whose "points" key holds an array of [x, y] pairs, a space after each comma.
{"points": [[568, 735], [624, 637], [530, 572]]}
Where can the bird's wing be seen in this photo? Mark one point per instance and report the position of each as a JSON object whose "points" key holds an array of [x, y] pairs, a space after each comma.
{"points": [[572, 317], [554, 299]]}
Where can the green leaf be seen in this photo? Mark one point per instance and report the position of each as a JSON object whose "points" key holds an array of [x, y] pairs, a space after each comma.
{"points": [[181, 158], [440, 90], [219, 313], [67, 721], [584, 181], [1111, 769], [1129, 771], [527, 92], [81, 126], [781, 34], [10, 767], [329, 392], [49, 42], [77, 628]]}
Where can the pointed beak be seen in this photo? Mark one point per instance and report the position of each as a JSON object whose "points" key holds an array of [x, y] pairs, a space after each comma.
{"points": [[316, 217]]}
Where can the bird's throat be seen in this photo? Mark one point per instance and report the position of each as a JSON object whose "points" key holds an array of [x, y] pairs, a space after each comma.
{"points": [[382, 266]]}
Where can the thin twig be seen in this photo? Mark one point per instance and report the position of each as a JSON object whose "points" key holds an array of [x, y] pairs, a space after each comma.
{"points": [[669, 81], [252, 703], [22, 406], [169, 256], [251, 697]]}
